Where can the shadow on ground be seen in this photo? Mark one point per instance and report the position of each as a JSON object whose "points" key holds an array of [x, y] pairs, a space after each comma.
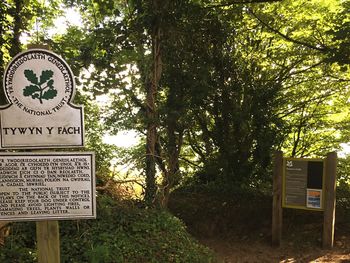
{"points": [[238, 228]]}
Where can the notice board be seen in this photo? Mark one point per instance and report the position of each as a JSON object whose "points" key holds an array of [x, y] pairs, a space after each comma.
{"points": [[47, 186], [303, 183]]}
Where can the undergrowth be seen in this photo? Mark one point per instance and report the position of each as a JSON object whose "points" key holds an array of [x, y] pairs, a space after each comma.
{"points": [[228, 211], [121, 233]]}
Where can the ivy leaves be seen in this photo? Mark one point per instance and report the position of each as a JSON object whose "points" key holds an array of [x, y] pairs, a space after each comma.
{"points": [[41, 88]]}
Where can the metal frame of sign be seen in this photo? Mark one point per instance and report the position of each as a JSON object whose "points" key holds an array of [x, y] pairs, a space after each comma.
{"points": [[71, 216], [284, 184]]}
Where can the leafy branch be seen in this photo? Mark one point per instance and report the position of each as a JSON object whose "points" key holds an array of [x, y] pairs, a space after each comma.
{"points": [[228, 4], [296, 41]]}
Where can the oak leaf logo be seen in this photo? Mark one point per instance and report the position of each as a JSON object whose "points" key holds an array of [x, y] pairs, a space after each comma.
{"points": [[42, 88]]}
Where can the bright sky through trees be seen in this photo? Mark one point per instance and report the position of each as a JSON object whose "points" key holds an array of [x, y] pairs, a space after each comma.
{"points": [[71, 17]]}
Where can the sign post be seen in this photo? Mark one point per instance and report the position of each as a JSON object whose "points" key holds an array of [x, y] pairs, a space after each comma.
{"points": [[277, 199], [43, 186], [48, 241], [329, 204], [307, 184]]}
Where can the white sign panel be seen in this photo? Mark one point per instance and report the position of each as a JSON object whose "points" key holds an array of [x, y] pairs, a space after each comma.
{"points": [[39, 86], [45, 186]]}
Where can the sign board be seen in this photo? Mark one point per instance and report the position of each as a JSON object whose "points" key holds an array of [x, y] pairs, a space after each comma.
{"points": [[39, 86], [303, 183], [42, 186]]}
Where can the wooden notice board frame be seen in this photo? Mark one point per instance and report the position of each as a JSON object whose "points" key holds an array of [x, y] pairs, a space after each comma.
{"points": [[329, 165]]}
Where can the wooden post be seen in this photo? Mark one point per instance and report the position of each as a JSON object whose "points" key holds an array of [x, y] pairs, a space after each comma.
{"points": [[329, 201], [277, 199], [48, 241], [47, 232]]}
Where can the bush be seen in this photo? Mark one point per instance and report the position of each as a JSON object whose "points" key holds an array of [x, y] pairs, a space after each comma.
{"points": [[119, 234]]}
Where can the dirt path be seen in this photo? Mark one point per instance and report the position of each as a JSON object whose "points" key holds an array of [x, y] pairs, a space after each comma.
{"points": [[260, 251]]}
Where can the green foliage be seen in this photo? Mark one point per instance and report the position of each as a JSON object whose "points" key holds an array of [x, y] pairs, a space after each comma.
{"points": [[221, 209], [20, 244], [238, 81], [119, 234], [343, 174], [343, 190], [339, 33], [18, 18], [94, 131]]}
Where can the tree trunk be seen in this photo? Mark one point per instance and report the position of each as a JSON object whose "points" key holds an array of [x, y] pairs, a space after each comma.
{"points": [[174, 144], [17, 28], [151, 106]]}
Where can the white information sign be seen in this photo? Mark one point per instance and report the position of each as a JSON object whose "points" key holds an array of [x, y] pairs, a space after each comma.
{"points": [[39, 86], [42, 186]]}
